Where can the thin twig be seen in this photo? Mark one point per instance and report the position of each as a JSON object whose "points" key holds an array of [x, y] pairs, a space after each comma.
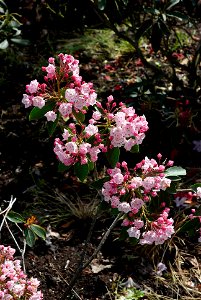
{"points": [[83, 266], [6, 211], [4, 221]]}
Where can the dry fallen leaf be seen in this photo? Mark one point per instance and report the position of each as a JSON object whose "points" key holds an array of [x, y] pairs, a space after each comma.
{"points": [[97, 267]]}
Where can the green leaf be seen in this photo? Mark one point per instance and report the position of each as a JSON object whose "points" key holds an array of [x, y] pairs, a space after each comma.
{"points": [[15, 217], [30, 237], [51, 126], [91, 165], [135, 149], [172, 189], [20, 41], [101, 4], [123, 234], [177, 15], [175, 171], [113, 156], [38, 230], [172, 3], [198, 211], [38, 113], [98, 184], [80, 117], [62, 167], [81, 171], [3, 5], [195, 186], [156, 36], [4, 44], [146, 25], [164, 29], [174, 178]]}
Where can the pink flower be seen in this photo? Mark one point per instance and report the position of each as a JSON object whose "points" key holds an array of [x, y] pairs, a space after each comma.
{"points": [[165, 183], [71, 147], [118, 178], [65, 135], [26, 100], [51, 116], [38, 102], [71, 95], [65, 109], [51, 71], [124, 207], [137, 203], [32, 87], [119, 118], [14, 283], [96, 115], [134, 232], [94, 153], [91, 130]]}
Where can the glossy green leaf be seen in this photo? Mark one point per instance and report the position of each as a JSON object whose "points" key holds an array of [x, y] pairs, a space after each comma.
{"points": [[38, 113], [20, 41], [113, 156], [15, 217], [172, 3], [163, 27], [38, 230], [195, 186], [135, 149], [4, 44], [173, 188], [3, 5], [198, 211], [30, 237], [175, 171], [177, 15], [156, 37], [62, 167], [51, 126], [146, 25], [98, 184], [81, 171], [80, 117], [101, 4], [174, 178], [91, 165]]}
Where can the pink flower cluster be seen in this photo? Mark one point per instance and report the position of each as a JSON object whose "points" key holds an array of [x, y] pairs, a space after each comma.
{"points": [[130, 192], [161, 230], [14, 284], [67, 95], [126, 128], [74, 148], [64, 88]]}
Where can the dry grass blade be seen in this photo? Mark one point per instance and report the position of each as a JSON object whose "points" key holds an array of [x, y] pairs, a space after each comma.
{"points": [[56, 207]]}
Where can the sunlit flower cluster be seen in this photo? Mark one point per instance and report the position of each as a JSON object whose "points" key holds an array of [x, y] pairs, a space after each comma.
{"points": [[63, 88], [130, 191]]}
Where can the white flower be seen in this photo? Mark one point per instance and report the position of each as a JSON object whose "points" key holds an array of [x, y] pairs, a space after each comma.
{"points": [[160, 268]]}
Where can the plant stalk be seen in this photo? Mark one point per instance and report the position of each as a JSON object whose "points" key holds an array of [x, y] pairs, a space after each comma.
{"points": [[82, 265]]}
